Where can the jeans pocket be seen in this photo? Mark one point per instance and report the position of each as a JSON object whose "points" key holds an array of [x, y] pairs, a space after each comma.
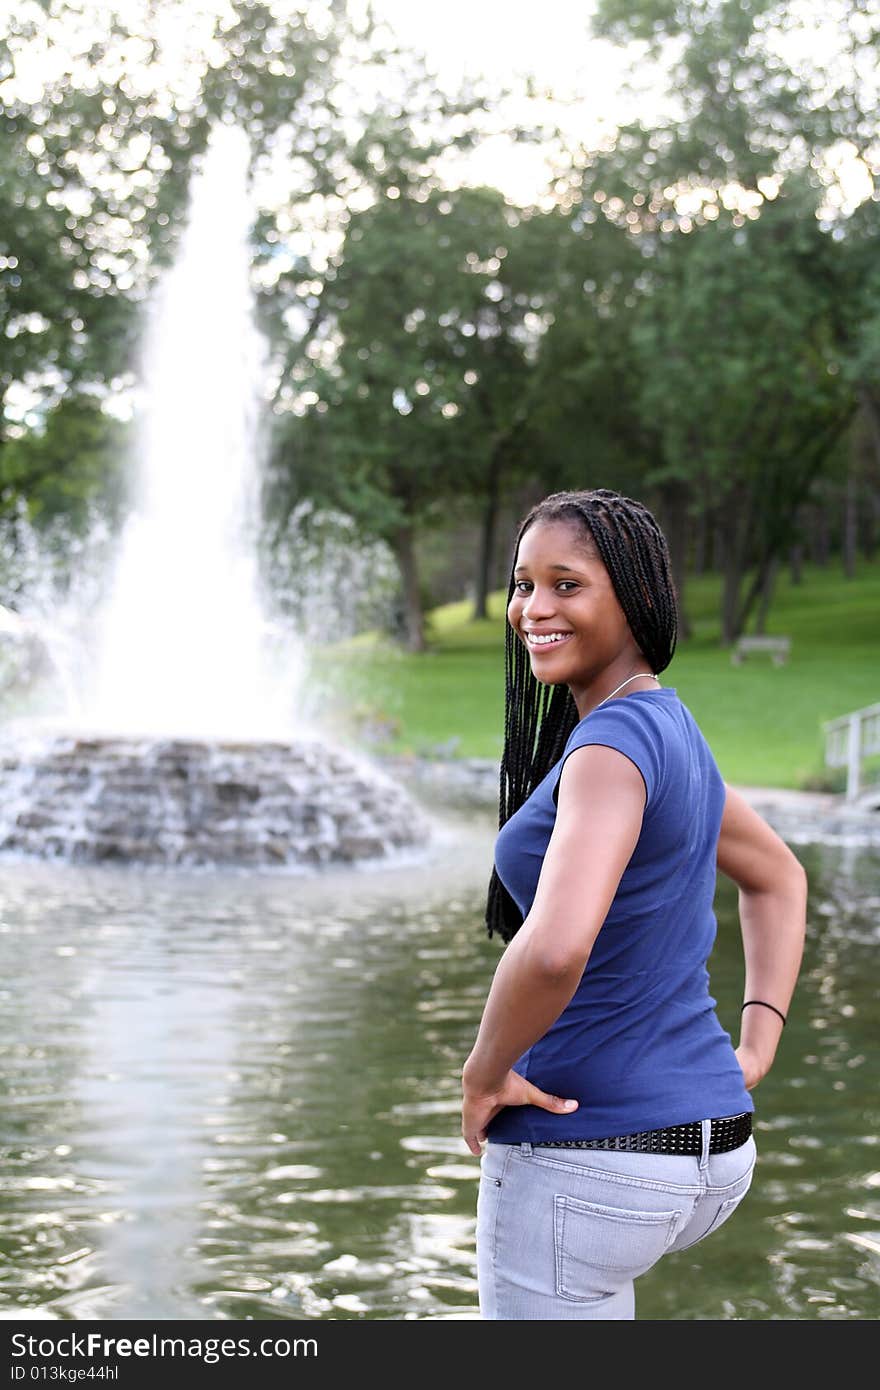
{"points": [[597, 1247]]}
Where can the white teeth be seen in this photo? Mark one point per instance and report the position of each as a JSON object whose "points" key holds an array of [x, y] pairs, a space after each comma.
{"points": [[542, 639]]}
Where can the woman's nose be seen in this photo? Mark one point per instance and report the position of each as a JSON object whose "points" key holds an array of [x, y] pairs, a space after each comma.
{"points": [[538, 603]]}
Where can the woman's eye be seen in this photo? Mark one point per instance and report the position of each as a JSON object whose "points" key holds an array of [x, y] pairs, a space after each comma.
{"points": [[521, 585]]}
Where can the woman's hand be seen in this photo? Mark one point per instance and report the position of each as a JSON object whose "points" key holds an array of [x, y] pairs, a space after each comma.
{"points": [[753, 1068], [478, 1108]]}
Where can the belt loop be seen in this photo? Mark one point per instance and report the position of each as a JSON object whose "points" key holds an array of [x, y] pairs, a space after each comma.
{"points": [[526, 1149], [707, 1139]]}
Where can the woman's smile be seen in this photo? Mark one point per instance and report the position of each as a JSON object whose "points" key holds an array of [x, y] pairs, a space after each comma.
{"points": [[547, 639]]}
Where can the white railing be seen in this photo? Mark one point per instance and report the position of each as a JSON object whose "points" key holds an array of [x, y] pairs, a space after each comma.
{"points": [[851, 739]]}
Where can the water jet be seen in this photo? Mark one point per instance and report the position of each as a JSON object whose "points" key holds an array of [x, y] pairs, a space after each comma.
{"points": [[182, 738]]}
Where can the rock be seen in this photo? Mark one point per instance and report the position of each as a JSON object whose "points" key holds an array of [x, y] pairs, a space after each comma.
{"points": [[190, 803]]}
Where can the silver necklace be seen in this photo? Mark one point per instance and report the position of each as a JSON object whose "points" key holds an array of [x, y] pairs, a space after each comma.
{"points": [[626, 682]]}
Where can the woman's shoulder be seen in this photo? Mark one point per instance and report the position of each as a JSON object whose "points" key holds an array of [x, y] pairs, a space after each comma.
{"points": [[641, 709]]}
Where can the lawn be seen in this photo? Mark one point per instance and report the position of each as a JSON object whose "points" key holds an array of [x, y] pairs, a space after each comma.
{"points": [[763, 722]]}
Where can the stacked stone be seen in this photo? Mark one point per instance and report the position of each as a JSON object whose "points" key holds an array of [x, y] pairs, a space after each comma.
{"points": [[189, 802]]}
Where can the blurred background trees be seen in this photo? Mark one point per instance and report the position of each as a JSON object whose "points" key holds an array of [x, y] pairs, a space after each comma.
{"points": [[689, 313]]}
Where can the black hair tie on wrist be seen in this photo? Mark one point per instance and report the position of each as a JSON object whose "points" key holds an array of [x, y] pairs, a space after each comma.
{"points": [[766, 1006]]}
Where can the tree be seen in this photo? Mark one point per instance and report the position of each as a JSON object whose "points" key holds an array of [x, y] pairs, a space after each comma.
{"points": [[745, 382], [409, 390], [59, 470], [101, 127], [759, 123], [763, 88]]}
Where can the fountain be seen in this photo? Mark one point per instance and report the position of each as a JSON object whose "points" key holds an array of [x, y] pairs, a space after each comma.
{"points": [[183, 739]]}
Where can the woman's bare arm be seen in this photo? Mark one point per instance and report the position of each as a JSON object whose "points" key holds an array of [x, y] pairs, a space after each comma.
{"points": [[772, 912], [601, 798]]}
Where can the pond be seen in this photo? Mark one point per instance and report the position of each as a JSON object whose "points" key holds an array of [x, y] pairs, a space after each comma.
{"points": [[236, 1096]]}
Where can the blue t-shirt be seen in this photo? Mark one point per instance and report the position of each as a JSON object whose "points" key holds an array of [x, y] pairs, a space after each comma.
{"points": [[639, 1045]]}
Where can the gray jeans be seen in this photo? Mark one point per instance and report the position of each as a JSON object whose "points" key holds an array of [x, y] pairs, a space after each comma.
{"points": [[562, 1233]]}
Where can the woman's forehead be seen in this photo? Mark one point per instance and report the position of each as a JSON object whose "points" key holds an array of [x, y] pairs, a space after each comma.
{"points": [[556, 541]]}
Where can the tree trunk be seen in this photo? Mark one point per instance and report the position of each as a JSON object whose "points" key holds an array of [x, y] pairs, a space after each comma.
{"points": [[674, 510], [701, 538], [820, 536], [487, 536], [403, 544], [754, 591], [869, 459], [796, 548], [732, 580], [767, 587], [869, 524], [870, 403], [733, 542], [850, 522], [716, 555]]}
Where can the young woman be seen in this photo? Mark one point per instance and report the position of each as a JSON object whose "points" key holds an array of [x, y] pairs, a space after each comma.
{"points": [[616, 1110]]}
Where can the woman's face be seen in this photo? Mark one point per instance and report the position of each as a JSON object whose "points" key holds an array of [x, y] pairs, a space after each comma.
{"points": [[563, 593]]}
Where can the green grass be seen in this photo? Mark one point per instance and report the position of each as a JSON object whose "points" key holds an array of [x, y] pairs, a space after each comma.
{"points": [[763, 722]]}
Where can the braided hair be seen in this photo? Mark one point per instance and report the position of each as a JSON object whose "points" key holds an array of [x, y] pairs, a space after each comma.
{"points": [[539, 718]]}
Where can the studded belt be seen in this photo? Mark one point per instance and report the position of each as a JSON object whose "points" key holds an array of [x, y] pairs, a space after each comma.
{"points": [[727, 1132]]}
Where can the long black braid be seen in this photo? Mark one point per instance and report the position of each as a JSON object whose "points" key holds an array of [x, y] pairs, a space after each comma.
{"points": [[538, 718]]}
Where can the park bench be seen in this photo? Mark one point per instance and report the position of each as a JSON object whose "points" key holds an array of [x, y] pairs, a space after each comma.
{"points": [[778, 648]]}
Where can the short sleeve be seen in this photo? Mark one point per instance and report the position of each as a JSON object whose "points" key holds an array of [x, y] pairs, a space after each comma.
{"points": [[631, 728]]}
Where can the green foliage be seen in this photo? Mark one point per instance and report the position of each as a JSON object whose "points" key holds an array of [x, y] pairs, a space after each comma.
{"points": [[764, 85], [587, 424], [74, 464], [88, 166], [39, 307], [94, 168], [755, 308], [274, 70], [432, 313]]}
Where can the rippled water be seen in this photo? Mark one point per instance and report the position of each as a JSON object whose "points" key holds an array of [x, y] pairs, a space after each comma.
{"points": [[233, 1096]]}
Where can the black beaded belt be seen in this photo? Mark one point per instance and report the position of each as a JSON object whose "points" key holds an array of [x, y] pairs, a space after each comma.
{"points": [[727, 1133]]}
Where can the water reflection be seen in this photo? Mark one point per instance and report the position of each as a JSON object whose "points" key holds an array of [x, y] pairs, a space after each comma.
{"points": [[233, 1095]]}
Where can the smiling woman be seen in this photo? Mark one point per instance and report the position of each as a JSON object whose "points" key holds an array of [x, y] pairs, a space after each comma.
{"points": [[616, 1109], [550, 611]]}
